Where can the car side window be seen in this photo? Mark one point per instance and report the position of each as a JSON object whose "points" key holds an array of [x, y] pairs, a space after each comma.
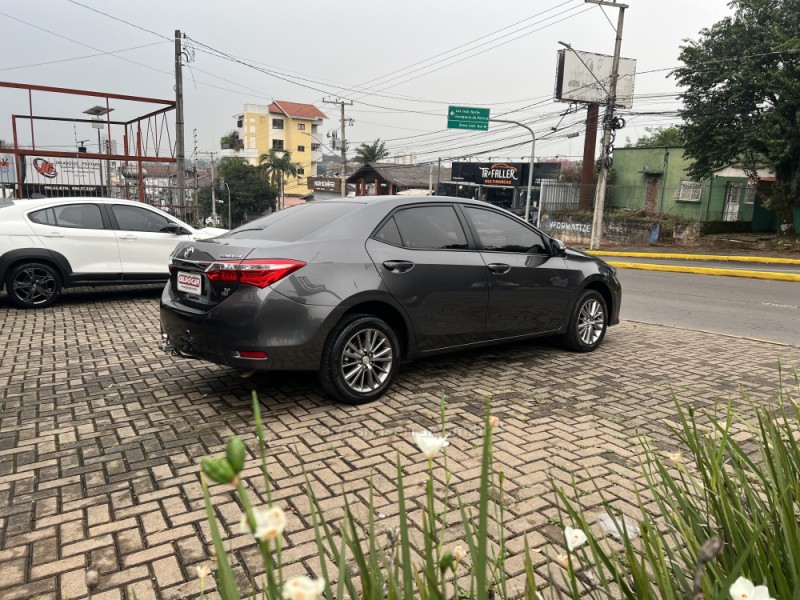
{"points": [[431, 228], [74, 216], [499, 233], [389, 234], [133, 218]]}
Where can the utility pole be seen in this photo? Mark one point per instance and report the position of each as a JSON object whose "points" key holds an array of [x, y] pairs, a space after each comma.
{"points": [[608, 126], [343, 121], [179, 151], [438, 175]]}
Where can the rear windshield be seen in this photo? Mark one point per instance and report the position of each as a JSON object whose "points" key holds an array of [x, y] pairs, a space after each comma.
{"points": [[295, 223]]}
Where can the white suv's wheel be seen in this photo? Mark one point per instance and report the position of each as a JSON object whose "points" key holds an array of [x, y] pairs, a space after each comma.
{"points": [[33, 285]]}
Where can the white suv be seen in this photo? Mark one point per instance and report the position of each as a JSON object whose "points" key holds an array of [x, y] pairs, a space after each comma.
{"points": [[52, 243]]}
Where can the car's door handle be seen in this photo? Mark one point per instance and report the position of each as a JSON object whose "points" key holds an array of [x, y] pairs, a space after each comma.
{"points": [[398, 266], [499, 268], [128, 236], [53, 234]]}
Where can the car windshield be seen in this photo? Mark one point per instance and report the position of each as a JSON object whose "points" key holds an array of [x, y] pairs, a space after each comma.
{"points": [[294, 223]]}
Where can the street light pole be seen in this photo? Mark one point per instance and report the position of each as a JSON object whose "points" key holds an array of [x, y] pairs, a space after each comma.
{"points": [[530, 170], [222, 184]]}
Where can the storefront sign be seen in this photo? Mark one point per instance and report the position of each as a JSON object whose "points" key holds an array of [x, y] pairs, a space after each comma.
{"points": [[325, 184], [503, 173]]}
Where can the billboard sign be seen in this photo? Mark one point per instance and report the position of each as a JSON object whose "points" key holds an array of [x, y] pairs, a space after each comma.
{"points": [[586, 76], [503, 174], [63, 171]]}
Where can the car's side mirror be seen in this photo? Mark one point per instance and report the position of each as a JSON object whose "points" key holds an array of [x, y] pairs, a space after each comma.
{"points": [[558, 248], [175, 229]]}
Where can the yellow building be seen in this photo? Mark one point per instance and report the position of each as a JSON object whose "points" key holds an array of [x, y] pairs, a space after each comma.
{"points": [[281, 125]]}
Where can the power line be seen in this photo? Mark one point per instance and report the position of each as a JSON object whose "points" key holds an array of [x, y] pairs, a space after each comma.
{"points": [[61, 60]]}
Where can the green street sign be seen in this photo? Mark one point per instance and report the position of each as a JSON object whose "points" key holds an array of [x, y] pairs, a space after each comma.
{"points": [[465, 117]]}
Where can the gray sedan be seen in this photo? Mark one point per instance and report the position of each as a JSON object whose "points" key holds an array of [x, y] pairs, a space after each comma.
{"points": [[351, 288]]}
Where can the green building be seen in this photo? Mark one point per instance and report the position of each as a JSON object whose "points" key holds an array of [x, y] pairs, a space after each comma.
{"points": [[655, 180]]}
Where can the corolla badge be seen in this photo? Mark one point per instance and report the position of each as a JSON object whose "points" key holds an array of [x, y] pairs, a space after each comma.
{"points": [[188, 252]]}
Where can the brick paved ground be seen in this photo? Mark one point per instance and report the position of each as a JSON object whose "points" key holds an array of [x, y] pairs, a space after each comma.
{"points": [[101, 434]]}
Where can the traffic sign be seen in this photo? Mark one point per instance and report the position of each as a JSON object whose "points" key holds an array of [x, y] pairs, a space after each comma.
{"points": [[466, 117]]}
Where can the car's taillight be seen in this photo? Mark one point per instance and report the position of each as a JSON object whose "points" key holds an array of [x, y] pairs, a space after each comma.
{"points": [[257, 272]]}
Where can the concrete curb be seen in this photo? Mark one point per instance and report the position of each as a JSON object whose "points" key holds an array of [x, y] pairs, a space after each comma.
{"points": [[675, 255], [771, 275], [708, 331]]}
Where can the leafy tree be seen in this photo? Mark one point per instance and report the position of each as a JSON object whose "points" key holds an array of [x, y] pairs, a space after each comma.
{"points": [[276, 165], [251, 192], [374, 152], [658, 137], [742, 102], [231, 140]]}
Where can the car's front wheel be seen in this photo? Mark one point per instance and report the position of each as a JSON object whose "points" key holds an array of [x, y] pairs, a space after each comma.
{"points": [[360, 359], [33, 285], [588, 323]]}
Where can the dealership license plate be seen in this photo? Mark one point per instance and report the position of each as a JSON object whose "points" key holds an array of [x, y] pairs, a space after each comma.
{"points": [[191, 283]]}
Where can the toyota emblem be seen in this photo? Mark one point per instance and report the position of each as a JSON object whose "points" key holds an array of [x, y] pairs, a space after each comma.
{"points": [[188, 252]]}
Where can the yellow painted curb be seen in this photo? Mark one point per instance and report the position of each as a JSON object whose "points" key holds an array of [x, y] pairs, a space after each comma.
{"points": [[771, 275], [675, 255]]}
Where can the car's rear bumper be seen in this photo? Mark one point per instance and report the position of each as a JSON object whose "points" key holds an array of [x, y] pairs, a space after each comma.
{"points": [[291, 334]]}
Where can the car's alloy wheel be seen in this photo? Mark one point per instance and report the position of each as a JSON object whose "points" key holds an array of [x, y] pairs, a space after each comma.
{"points": [[591, 322], [360, 359], [33, 285], [366, 360], [588, 323]]}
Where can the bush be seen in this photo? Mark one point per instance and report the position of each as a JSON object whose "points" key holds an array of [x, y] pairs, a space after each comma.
{"points": [[726, 515]]}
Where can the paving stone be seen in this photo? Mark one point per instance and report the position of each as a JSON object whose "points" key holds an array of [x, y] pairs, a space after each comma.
{"points": [[101, 435]]}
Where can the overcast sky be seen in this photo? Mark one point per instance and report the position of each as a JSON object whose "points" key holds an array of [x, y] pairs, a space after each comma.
{"points": [[418, 55]]}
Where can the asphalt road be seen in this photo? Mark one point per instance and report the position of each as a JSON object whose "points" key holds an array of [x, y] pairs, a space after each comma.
{"points": [[751, 308]]}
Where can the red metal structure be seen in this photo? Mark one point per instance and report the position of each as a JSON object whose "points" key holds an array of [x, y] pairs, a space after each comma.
{"points": [[149, 132]]}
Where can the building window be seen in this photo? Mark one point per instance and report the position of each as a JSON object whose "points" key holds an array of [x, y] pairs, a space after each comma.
{"points": [[301, 148], [689, 191], [750, 194], [277, 123], [314, 128], [240, 122], [301, 171], [314, 147], [277, 144], [301, 126]]}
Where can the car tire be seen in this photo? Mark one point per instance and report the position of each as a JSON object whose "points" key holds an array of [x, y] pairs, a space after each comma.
{"points": [[33, 285], [360, 359], [588, 323]]}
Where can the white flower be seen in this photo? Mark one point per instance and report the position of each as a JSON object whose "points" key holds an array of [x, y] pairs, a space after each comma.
{"points": [[303, 588], [203, 572], [458, 554], [743, 589], [493, 422], [429, 444], [575, 538], [270, 523]]}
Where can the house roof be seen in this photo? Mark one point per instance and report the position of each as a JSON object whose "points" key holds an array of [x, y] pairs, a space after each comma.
{"points": [[407, 176], [296, 110]]}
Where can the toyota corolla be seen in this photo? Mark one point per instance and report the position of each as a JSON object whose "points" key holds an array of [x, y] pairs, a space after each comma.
{"points": [[352, 288]]}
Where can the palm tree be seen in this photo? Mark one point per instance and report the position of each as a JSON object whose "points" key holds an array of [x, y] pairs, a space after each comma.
{"points": [[277, 163], [374, 152]]}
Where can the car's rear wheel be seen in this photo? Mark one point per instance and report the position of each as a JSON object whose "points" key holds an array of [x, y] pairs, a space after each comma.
{"points": [[33, 285], [588, 323], [360, 359]]}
